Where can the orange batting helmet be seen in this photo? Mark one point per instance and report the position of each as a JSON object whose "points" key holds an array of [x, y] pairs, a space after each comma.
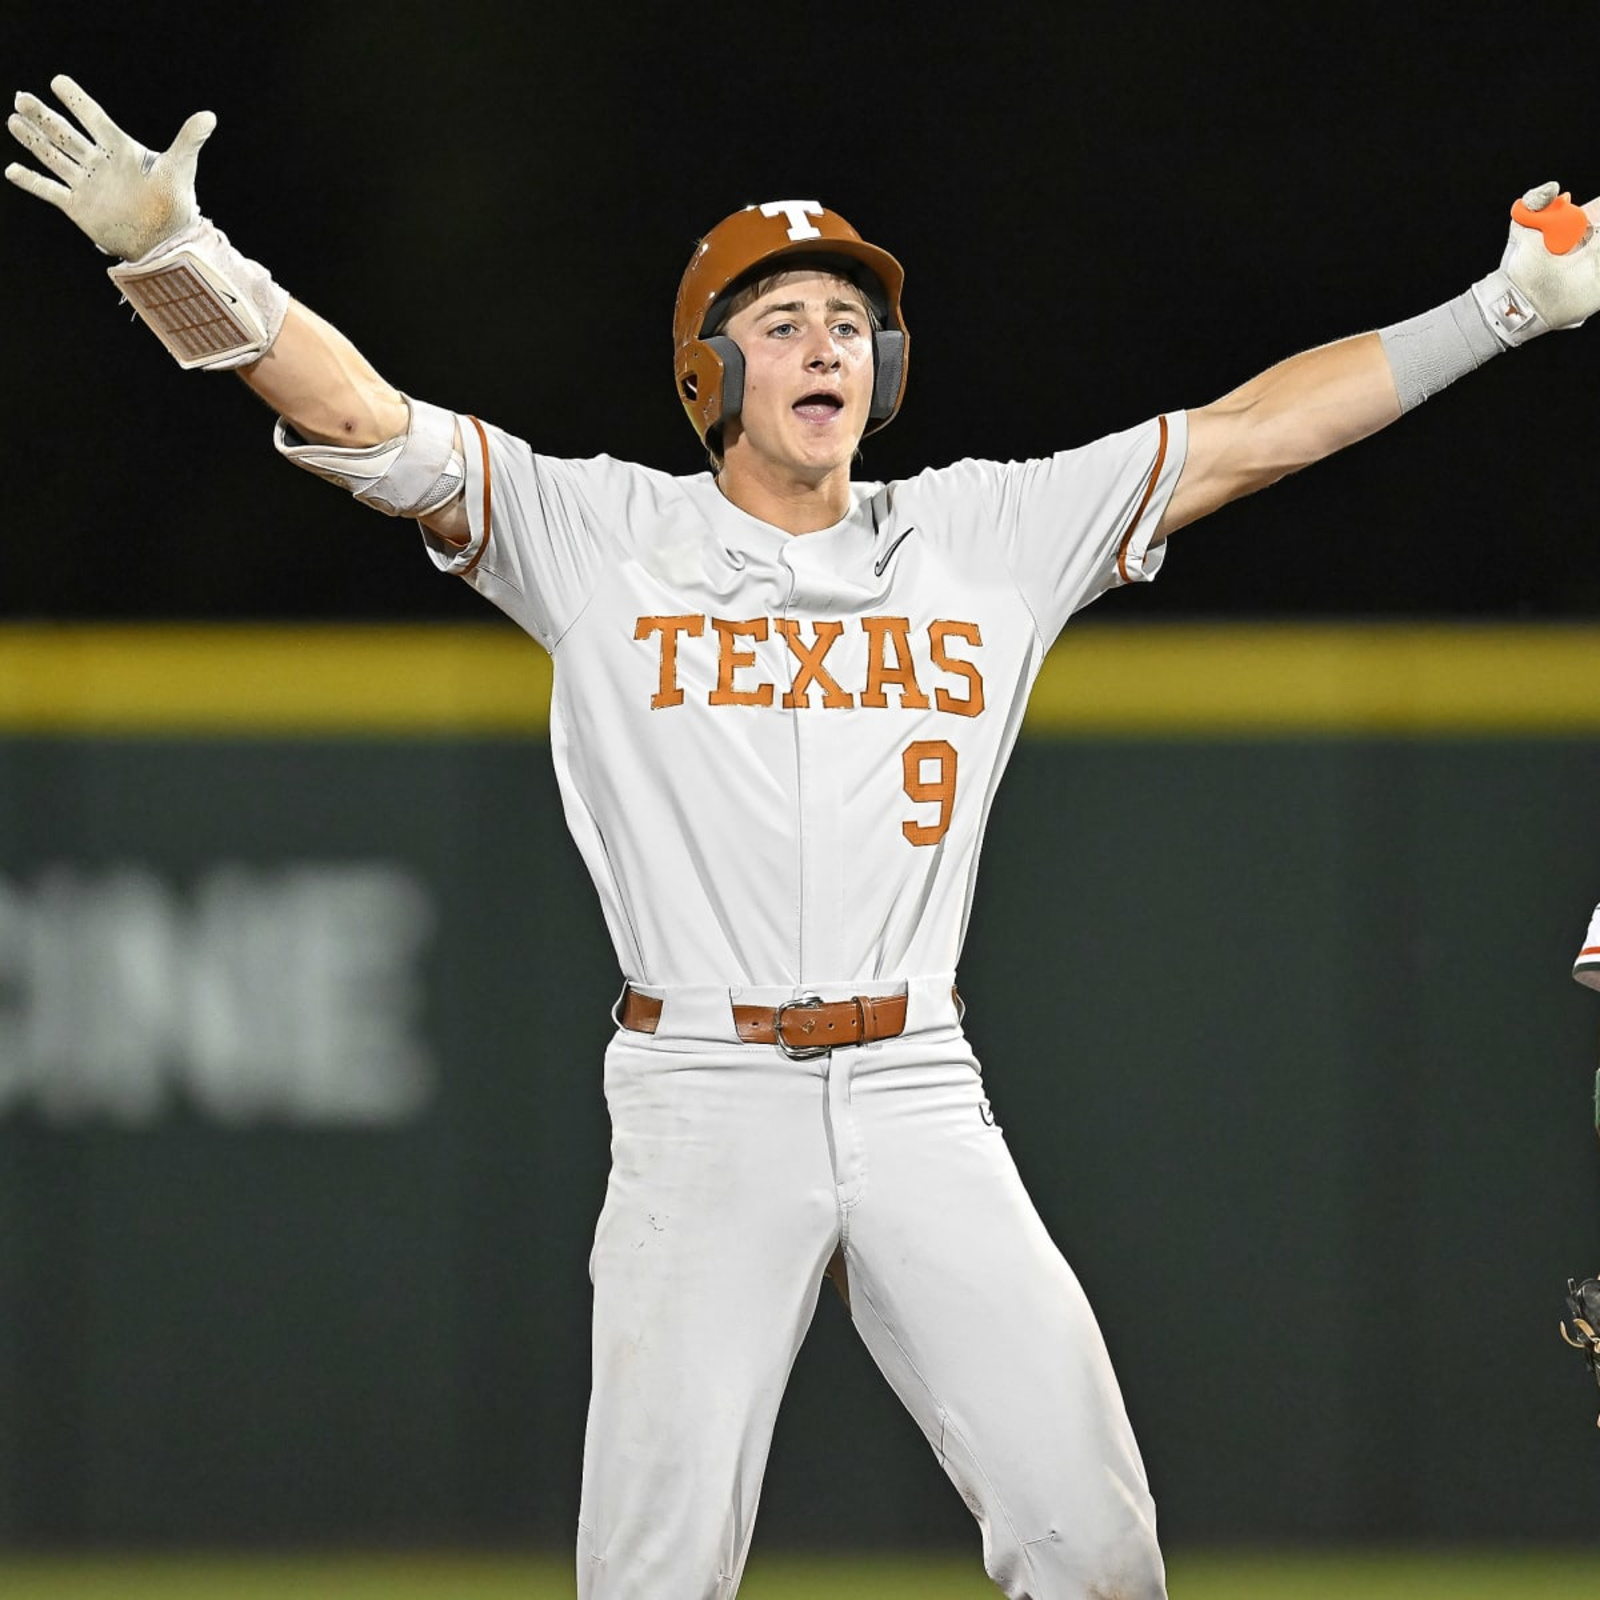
{"points": [[709, 366]]}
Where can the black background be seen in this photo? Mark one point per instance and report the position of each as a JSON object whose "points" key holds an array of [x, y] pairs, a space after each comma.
{"points": [[1103, 213]]}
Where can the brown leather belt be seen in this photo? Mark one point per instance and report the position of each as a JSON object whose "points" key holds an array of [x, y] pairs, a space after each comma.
{"points": [[799, 1028]]}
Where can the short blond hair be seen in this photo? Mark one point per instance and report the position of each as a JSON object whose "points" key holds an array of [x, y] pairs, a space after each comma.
{"points": [[743, 295]]}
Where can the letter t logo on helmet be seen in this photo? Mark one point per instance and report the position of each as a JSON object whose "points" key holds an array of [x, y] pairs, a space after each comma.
{"points": [[708, 365], [795, 211]]}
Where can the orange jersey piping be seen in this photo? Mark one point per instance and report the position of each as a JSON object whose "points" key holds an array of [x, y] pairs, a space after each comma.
{"points": [[483, 445], [1149, 490]]}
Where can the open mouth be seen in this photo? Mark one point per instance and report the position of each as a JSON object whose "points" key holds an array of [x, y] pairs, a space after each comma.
{"points": [[818, 407]]}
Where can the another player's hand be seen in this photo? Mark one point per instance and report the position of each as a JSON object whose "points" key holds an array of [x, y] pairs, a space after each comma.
{"points": [[126, 198], [1549, 276]]}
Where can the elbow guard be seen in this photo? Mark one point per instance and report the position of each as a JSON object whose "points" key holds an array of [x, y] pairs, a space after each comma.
{"points": [[413, 474]]}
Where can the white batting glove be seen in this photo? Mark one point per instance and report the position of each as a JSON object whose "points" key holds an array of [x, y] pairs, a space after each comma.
{"points": [[1549, 276], [126, 198]]}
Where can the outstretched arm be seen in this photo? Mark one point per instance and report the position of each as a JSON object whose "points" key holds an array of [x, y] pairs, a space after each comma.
{"points": [[326, 392], [214, 308], [1295, 413], [1316, 403], [322, 386]]}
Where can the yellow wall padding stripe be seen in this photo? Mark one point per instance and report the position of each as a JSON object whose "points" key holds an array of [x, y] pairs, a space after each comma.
{"points": [[1214, 680], [1134, 681], [264, 681]]}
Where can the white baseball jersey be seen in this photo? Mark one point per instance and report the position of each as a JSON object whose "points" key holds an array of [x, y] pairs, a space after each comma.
{"points": [[777, 753], [1586, 969]]}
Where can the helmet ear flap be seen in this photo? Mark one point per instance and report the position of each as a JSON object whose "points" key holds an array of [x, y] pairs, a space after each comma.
{"points": [[732, 360], [710, 381], [889, 375]]}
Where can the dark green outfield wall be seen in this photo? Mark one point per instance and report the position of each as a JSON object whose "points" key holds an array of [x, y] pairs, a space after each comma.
{"points": [[301, 1138]]}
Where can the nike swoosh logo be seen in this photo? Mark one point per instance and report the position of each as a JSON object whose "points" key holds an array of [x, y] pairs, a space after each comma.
{"points": [[883, 560]]}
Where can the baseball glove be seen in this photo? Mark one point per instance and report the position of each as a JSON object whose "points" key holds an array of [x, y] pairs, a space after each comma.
{"points": [[1581, 1326]]}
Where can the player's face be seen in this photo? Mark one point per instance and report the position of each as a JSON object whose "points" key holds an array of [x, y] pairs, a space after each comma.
{"points": [[807, 348]]}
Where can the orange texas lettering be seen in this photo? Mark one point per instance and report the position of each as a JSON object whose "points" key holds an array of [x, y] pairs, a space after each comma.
{"points": [[893, 663]]}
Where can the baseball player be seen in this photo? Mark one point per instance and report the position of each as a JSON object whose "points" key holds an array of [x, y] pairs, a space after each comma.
{"points": [[783, 701]]}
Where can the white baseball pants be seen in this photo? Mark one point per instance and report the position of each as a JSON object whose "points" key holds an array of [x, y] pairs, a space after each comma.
{"points": [[735, 1174]]}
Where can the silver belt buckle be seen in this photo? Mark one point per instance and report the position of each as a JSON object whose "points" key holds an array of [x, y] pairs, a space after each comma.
{"points": [[800, 1052]]}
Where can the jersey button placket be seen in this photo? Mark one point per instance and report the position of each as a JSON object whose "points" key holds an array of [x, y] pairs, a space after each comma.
{"points": [[819, 802]]}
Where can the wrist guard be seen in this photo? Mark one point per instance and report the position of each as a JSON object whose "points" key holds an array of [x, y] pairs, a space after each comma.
{"points": [[209, 305]]}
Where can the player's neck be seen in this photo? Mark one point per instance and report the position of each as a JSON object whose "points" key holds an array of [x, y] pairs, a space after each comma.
{"points": [[786, 500]]}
